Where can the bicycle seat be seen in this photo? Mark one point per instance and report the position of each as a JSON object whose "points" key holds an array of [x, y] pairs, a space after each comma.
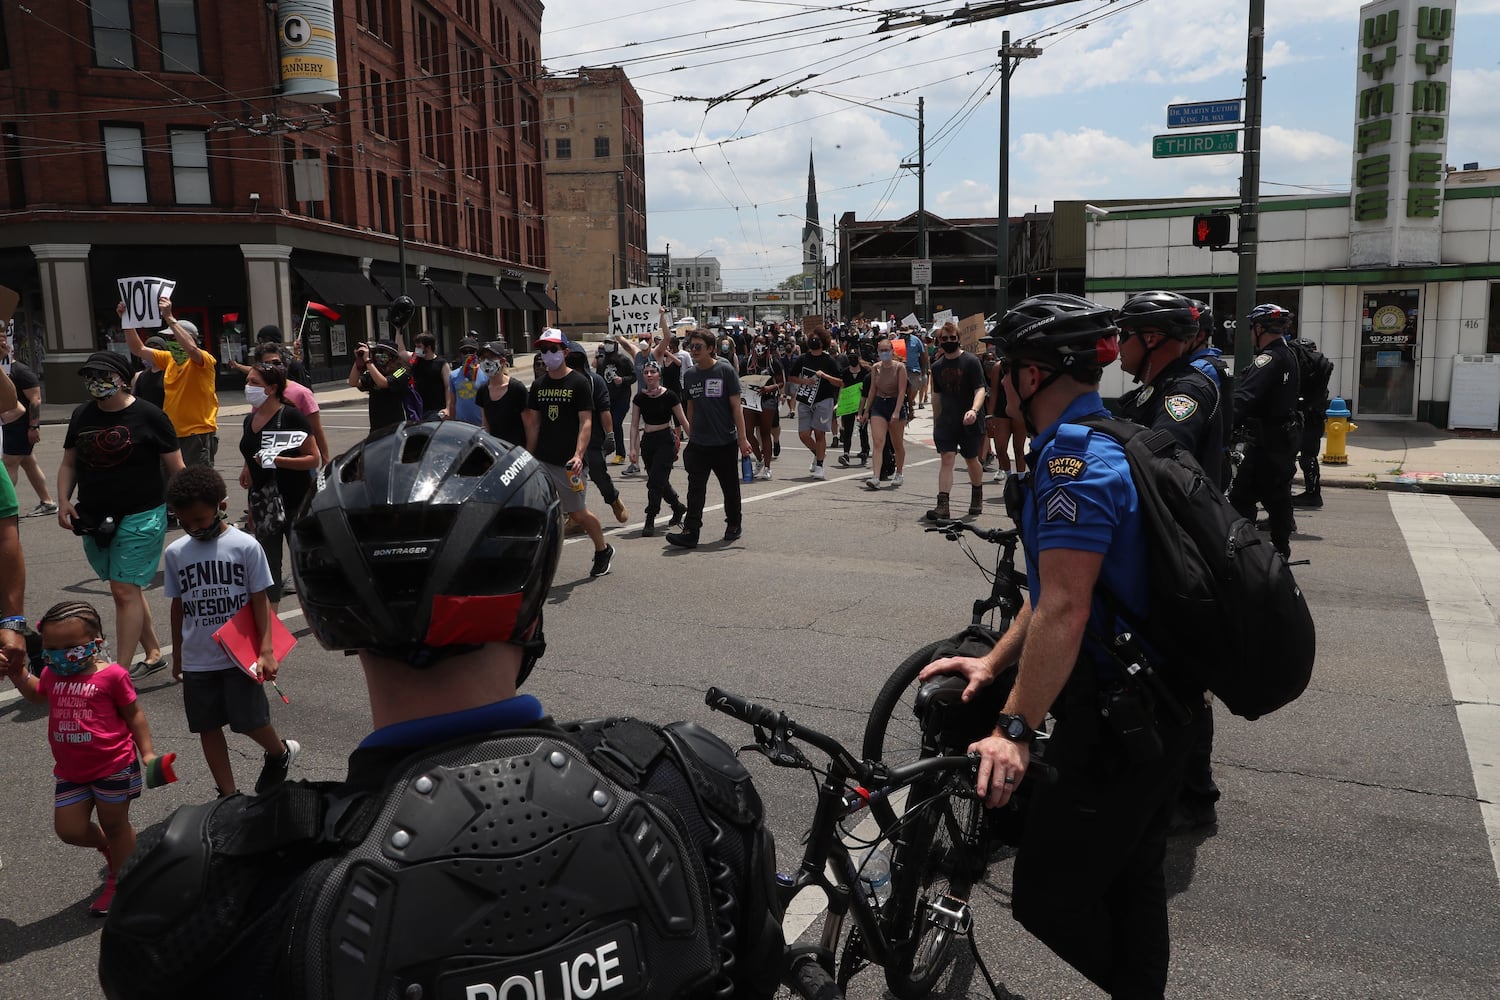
{"points": [[950, 722]]}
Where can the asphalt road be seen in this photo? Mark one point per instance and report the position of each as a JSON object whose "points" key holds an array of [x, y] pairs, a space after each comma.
{"points": [[1351, 860]]}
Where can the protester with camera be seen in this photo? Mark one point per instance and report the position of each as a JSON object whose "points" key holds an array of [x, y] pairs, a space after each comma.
{"points": [[112, 452]]}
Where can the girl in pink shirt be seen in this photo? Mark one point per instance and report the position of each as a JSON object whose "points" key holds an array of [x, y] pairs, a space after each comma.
{"points": [[96, 728]]}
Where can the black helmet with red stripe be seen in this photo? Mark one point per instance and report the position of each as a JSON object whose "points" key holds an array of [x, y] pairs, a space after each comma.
{"points": [[1172, 315], [427, 540], [1067, 333]]}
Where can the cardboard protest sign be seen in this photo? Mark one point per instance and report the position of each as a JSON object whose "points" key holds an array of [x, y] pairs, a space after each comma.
{"points": [[812, 324], [970, 329], [634, 312], [140, 296], [939, 318], [750, 386], [910, 319], [9, 299]]}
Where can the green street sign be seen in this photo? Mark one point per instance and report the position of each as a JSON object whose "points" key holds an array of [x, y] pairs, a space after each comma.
{"points": [[1194, 144]]}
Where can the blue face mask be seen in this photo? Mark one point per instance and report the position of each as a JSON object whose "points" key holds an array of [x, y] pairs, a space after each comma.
{"points": [[68, 662]]}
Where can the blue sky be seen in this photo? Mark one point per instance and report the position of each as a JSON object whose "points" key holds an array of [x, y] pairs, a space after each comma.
{"points": [[1082, 114]]}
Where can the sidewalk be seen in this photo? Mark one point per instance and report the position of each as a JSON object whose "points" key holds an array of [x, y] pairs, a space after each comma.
{"points": [[1404, 455]]}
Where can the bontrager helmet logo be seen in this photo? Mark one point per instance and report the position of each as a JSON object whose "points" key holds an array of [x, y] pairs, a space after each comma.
{"points": [[514, 469], [401, 551]]}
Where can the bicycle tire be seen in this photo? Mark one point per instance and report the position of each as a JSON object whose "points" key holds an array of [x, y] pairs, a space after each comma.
{"points": [[811, 981], [891, 731], [930, 862]]}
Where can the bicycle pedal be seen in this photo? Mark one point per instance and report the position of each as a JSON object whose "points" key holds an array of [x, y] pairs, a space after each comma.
{"points": [[950, 914]]}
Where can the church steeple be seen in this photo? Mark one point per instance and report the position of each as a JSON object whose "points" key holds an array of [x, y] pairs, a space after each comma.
{"points": [[812, 229]]}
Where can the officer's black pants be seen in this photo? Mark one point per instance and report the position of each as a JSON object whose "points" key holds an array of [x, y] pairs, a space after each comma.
{"points": [[723, 460], [1265, 476], [1089, 880], [658, 453], [1307, 454], [593, 456], [1198, 786]]}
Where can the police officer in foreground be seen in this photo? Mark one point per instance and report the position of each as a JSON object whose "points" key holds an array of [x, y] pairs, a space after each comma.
{"points": [[475, 844], [1265, 411], [1089, 879], [1156, 331]]}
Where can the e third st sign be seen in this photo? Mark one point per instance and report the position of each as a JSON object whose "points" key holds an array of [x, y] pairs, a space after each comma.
{"points": [[1194, 144]]}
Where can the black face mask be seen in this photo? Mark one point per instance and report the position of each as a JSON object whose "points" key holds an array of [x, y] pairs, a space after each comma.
{"points": [[814, 345], [950, 347]]}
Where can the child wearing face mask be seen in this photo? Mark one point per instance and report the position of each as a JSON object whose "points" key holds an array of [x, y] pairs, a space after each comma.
{"points": [[96, 729]]}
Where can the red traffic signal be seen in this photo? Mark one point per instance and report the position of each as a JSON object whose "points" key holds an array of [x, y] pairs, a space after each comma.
{"points": [[1210, 230]]}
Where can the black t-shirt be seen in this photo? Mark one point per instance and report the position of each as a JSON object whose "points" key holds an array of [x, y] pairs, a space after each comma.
{"points": [[618, 365], [503, 415], [117, 457], [389, 405], [152, 387], [955, 379], [428, 376], [601, 407], [292, 484], [809, 363], [656, 410], [23, 378], [560, 403], [297, 372]]}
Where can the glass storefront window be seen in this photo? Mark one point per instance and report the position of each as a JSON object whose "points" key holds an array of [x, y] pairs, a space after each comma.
{"points": [[1388, 342]]}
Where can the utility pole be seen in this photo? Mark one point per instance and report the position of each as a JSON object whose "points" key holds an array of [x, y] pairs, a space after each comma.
{"points": [[1249, 244], [926, 310], [1010, 59]]}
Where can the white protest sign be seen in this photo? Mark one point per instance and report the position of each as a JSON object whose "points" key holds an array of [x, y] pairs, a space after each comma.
{"points": [[634, 311], [808, 391], [910, 319], [751, 385], [939, 318], [273, 443], [140, 296]]}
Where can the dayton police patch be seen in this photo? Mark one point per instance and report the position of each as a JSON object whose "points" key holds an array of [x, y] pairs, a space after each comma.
{"points": [[1062, 507], [1179, 408], [1066, 466], [1261, 360]]}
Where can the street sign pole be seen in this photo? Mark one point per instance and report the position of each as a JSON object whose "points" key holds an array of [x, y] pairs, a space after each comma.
{"points": [[1244, 299]]}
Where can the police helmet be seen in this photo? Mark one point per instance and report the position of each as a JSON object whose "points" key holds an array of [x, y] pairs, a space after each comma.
{"points": [[1205, 317], [427, 540], [1272, 317], [1067, 332], [1172, 315]]}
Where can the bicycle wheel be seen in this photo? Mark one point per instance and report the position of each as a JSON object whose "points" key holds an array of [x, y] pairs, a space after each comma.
{"points": [[811, 981], [931, 876], [892, 732]]}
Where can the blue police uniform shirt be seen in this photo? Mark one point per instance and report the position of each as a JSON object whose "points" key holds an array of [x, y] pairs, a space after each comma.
{"points": [[1203, 361], [512, 713], [1081, 497]]}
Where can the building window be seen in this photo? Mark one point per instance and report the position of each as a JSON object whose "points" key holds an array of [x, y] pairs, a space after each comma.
{"points": [[601, 147], [1492, 338], [179, 35], [114, 45], [190, 167], [430, 48], [564, 149], [125, 161]]}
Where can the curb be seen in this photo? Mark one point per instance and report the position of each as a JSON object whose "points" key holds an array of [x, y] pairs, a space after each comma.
{"points": [[1389, 486]]}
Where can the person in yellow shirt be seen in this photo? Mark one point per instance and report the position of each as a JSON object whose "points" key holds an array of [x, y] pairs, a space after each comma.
{"points": [[192, 402]]}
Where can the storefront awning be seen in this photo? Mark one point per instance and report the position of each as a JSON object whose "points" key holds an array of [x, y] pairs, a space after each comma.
{"points": [[491, 297], [518, 299], [541, 298], [341, 288], [388, 276], [456, 295]]}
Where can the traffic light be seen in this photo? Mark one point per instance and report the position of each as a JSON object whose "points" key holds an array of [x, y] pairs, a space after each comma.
{"points": [[1210, 230]]}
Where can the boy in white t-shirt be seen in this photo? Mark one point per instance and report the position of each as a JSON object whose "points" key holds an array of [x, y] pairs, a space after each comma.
{"points": [[210, 574]]}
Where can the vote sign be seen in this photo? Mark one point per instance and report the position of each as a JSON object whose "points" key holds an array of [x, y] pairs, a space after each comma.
{"points": [[140, 296]]}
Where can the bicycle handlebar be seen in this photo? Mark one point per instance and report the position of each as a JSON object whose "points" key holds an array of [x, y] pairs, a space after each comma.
{"points": [[995, 536]]}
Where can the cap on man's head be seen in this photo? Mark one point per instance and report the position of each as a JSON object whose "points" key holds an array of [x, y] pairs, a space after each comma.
{"points": [[156, 343], [499, 349], [469, 344], [186, 324], [106, 363], [552, 335]]}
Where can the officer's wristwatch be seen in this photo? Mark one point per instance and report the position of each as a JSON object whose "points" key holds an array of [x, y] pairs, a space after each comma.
{"points": [[1015, 728]]}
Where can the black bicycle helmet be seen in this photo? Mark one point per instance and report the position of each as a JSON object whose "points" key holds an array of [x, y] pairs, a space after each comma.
{"points": [[426, 540], [1271, 316], [401, 311], [1067, 332], [1167, 313]]}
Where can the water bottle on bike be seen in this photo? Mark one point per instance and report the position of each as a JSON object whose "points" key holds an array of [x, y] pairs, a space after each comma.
{"points": [[875, 874]]}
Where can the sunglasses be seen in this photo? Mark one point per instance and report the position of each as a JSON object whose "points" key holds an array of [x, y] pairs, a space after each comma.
{"points": [[549, 348], [265, 365], [695, 346]]}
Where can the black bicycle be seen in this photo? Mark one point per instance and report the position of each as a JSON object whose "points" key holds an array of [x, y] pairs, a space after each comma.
{"points": [[898, 730], [913, 934]]}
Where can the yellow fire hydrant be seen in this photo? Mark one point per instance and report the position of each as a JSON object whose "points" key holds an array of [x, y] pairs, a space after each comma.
{"points": [[1337, 427]]}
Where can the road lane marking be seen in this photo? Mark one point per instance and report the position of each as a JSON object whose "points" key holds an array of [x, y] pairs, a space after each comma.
{"points": [[811, 902], [1460, 574]]}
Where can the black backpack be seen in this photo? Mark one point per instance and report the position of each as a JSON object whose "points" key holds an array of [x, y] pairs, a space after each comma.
{"points": [[1226, 614], [1314, 372]]}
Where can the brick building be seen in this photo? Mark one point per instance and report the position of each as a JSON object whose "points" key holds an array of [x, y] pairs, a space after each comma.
{"points": [[593, 145], [151, 137]]}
